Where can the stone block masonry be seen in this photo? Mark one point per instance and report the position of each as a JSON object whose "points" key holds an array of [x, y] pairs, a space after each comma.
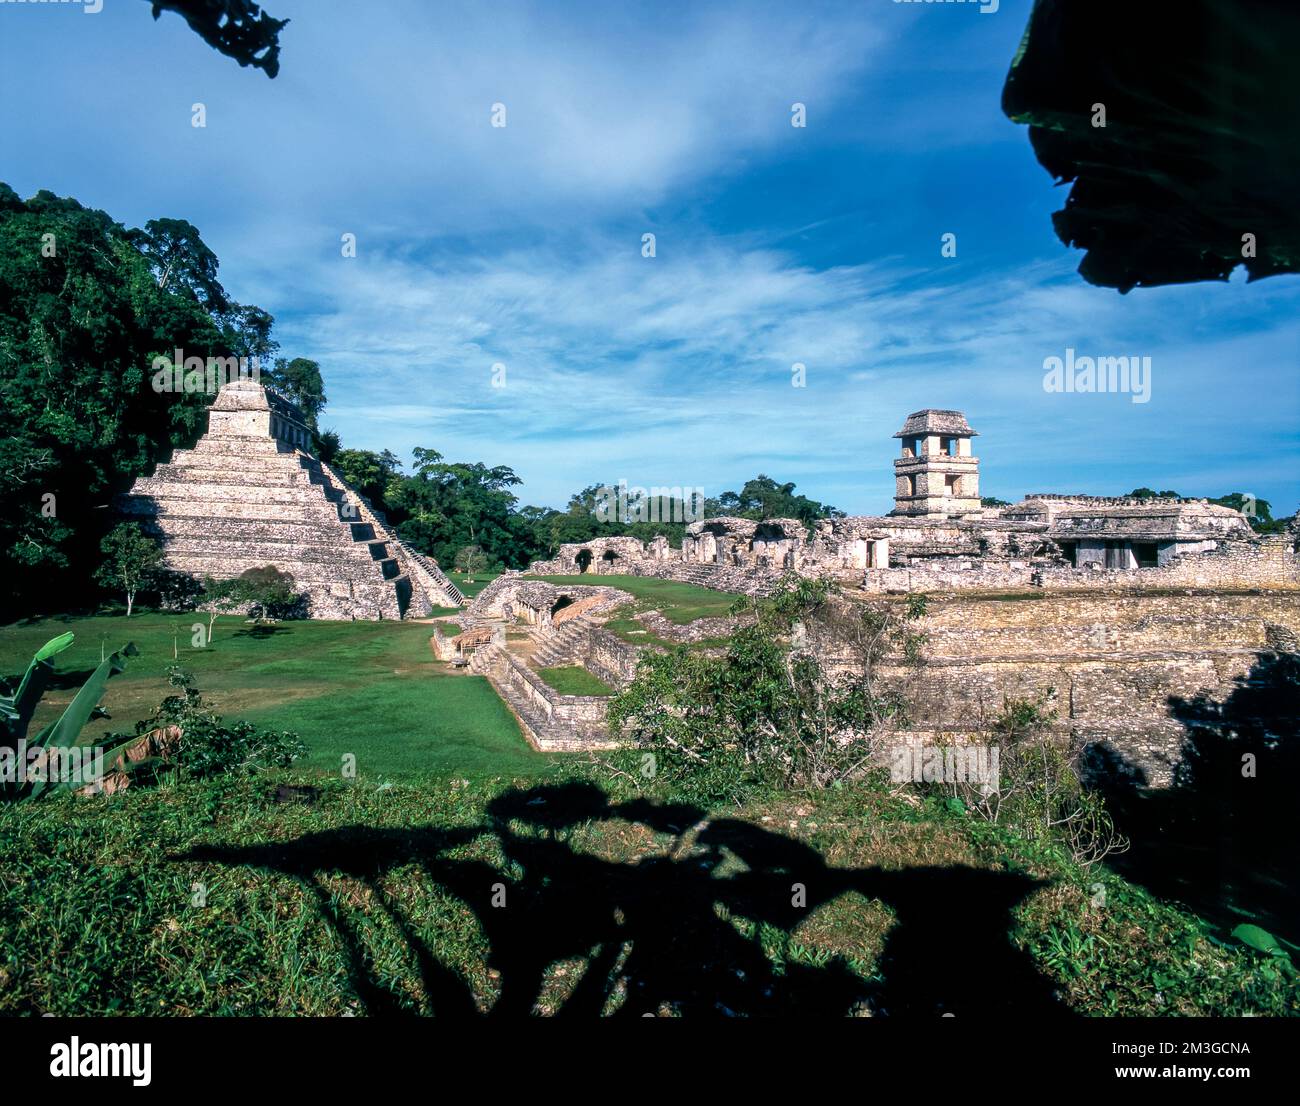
{"points": [[249, 494], [551, 722], [1121, 666]]}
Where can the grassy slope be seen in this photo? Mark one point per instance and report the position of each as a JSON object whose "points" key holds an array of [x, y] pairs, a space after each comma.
{"points": [[343, 903], [678, 602], [574, 680], [481, 580], [372, 689]]}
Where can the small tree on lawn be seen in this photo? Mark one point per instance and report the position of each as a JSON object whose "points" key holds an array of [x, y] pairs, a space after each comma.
{"points": [[471, 560], [131, 560], [220, 597], [271, 593]]}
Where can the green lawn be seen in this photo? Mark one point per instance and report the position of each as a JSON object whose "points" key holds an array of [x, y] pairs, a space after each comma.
{"points": [[574, 680], [677, 602], [373, 689], [481, 580]]}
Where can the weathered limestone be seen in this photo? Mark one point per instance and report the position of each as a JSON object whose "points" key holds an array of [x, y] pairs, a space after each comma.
{"points": [[250, 494], [1124, 670], [936, 476], [939, 536], [1127, 609]]}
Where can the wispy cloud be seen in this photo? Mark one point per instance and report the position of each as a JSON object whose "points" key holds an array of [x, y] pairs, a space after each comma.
{"points": [[775, 245], [678, 369]]}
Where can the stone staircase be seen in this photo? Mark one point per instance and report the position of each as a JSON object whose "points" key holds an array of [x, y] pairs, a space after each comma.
{"points": [[441, 579], [247, 496], [560, 646], [550, 722], [425, 574]]}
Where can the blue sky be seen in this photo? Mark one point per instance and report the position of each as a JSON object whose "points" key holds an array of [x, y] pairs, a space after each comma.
{"points": [[775, 245]]}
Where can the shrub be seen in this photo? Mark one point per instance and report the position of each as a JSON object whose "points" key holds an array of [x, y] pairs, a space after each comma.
{"points": [[209, 746], [1038, 791], [770, 712]]}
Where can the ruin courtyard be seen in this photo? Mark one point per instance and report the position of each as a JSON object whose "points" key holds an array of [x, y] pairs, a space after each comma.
{"points": [[1118, 608]]}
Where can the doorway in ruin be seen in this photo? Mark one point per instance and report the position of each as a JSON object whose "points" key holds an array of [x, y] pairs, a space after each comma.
{"points": [[607, 562], [562, 602], [583, 560]]}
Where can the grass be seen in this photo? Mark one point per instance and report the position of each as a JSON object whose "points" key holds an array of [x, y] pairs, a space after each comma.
{"points": [[263, 896], [371, 689], [468, 590], [678, 602], [574, 680]]}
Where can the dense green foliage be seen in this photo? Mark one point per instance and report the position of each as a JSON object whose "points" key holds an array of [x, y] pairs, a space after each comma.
{"points": [[86, 305], [763, 497], [767, 712]]}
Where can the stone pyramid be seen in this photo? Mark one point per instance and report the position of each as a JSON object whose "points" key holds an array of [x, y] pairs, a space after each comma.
{"points": [[250, 494]]}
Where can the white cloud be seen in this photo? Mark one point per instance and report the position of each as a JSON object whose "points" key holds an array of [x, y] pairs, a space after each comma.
{"points": [[677, 369]]}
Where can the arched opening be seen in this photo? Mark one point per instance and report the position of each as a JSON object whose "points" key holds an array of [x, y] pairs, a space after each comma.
{"points": [[562, 602], [607, 561], [583, 560]]}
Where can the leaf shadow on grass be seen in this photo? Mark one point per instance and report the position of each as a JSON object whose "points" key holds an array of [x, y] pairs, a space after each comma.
{"points": [[1221, 840], [58, 680], [262, 631], [651, 933]]}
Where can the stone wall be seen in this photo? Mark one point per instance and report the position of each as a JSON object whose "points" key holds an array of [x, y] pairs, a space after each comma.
{"points": [[688, 632], [608, 657], [1121, 666], [1268, 562], [550, 721]]}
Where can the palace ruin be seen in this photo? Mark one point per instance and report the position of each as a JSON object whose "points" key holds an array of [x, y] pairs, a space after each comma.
{"points": [[940, 536]]}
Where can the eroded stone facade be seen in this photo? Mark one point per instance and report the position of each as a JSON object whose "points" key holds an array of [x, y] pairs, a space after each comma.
{"points": [[940, 536]]}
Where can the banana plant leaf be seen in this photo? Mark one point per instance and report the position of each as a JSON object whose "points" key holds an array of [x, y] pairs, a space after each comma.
{"points": [[65, 733], [1262, 941], [17, 710]]}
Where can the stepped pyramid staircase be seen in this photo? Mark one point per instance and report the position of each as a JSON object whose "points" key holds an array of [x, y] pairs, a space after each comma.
{"points": [[558, 648], [249, 494]]}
